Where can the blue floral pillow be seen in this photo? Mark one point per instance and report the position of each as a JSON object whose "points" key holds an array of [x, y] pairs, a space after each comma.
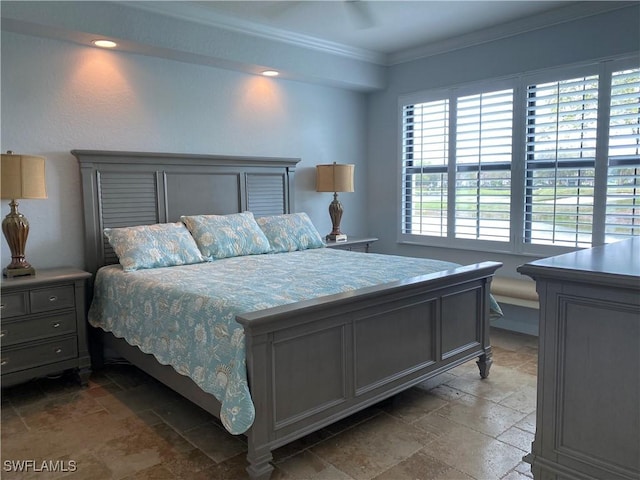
{"points": [[290, 232], [152, 246], [222, 236]]}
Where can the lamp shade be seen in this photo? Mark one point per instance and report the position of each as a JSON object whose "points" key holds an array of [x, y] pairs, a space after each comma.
{"points": [[22, 176], [334, 178]]}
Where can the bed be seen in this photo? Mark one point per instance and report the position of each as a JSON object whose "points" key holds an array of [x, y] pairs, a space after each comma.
{"points": [[308, 360]]}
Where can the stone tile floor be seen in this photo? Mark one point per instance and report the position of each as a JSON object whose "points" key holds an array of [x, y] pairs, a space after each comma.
{"points": [[125, 425]]}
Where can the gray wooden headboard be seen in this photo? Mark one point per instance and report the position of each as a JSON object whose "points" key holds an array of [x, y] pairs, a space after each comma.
{"points": [[121, 189]]}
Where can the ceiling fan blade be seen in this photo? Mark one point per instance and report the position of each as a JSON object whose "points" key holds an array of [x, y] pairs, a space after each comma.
{"points": [[360, 13]]}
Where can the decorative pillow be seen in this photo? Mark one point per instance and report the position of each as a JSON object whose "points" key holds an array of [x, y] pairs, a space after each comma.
{"points": [[151, 246], [290, 232], [222, 236]]}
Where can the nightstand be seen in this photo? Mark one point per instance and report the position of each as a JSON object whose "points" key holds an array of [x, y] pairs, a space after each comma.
{"points": [[43, 325], [354, 244]]}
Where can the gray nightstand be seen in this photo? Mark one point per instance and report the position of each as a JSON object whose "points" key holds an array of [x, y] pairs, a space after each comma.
{"points": [[43, 325], [354, 244]]}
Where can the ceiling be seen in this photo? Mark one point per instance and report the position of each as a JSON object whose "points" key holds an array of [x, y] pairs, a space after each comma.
{"points": [[384, 29]]}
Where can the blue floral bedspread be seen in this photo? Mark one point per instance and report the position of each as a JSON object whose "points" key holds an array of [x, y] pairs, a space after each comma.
{"points": [[185, 315]]}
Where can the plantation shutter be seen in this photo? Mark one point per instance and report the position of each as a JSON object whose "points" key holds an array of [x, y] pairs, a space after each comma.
{"points": [[425, 156], [623, 181], [560, 162], [484, 137], [126, 200], [266, 194]]}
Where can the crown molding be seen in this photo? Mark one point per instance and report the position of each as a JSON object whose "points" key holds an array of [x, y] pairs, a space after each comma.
{"points": [[558, 16], [193, 13]]}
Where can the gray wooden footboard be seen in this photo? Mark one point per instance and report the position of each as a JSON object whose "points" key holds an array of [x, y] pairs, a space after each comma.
{"points": [[313, 363]]}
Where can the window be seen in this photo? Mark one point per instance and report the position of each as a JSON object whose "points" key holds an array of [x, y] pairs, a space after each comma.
{"points": [[532, 164], [479, 166], [425, 158], [483, 166], [560, 162], [623, 175]]}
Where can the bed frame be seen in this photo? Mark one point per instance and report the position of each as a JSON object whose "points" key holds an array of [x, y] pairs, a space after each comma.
{"points": [[310, 363]]}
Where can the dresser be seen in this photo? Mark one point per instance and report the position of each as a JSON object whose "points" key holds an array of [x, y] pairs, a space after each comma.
{"points": [[588, 403], [43, 326]]}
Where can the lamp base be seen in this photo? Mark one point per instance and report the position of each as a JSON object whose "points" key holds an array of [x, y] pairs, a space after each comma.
{"points": [[16, 230], [18, 272], [332, 237]]}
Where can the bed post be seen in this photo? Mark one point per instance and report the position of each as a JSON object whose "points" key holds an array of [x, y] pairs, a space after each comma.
{"points": [[260, 467], [258, 367], [484, 361]]}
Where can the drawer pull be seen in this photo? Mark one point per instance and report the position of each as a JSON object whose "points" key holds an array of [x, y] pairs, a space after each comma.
{"points": [[2, 305], [53, 298], [55, 325], [3, 333], [58, 350], [3, 362]]}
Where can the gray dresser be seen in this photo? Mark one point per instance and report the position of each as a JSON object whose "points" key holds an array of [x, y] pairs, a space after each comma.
{"points": [[588, 405], [43, 325]]}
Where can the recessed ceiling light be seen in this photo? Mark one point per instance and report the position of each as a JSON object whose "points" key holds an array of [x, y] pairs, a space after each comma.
{"points": [[270, 73], [105, 43]]}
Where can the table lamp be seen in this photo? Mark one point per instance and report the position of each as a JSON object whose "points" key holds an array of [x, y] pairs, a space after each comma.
{"points": [[22, 176], [335, 178]]}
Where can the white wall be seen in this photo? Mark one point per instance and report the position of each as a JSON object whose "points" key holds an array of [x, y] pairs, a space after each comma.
{"points": [[610, 34], [58, 96]]}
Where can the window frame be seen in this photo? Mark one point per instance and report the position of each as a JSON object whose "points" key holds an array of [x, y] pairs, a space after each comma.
{"points": [[519, 83]]}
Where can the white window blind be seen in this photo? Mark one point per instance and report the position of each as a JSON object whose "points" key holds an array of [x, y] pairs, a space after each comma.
{"points": [[623, 180], [560, 162], [484, 132], [538, 164], [425, 156]]}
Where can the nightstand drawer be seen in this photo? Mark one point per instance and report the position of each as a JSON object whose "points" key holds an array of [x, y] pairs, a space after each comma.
{"points": [[43, 326], [13, 304], [15, 359], [54, 298], [36, 328]]}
